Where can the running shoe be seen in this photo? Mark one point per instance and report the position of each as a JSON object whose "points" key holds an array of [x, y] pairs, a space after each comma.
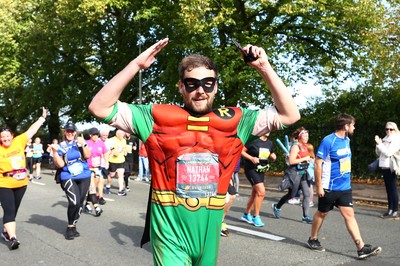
{"points": [[315, 245], [102, 201], [367, 251], [247, 218], [108, 191], [294, 201], [70, 233], [311, 204], [88, 208], [5, 235], [38, 177], [127, 189], [224, 230], [121, 193], [98, 211], [138, 179], [276, 211], [257, 221], [307, 219], [76, 233], [13, 243]]}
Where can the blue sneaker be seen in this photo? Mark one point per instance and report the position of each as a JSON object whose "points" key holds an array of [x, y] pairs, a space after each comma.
{"points": [[257, 221], [307, 219], [276, 211], [247, 218], [108, 191]]}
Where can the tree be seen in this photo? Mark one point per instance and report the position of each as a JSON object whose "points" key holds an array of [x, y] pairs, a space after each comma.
{"points": [[60, 53]]}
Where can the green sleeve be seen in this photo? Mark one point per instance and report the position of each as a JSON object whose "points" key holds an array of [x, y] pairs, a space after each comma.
{"points": [[246, 125], [142, 120]]}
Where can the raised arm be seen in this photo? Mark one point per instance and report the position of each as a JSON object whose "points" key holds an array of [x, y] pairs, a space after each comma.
{"points": [[284, 102], [103, 102], [35, 126]]}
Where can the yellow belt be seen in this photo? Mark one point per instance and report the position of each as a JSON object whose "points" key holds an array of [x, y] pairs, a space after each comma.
{"points": [[169, 198]]}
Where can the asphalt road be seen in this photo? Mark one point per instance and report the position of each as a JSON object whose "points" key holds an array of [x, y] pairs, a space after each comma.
{"points": [[114, 237]]}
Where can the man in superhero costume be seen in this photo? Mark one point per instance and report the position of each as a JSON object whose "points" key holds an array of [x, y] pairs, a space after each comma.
{"points": [[192, 149]]}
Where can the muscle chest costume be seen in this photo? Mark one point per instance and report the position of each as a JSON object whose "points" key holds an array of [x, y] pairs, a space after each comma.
{"points": [[191, 161]]}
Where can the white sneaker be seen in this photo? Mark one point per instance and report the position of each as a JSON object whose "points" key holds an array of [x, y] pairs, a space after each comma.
{"points": [[294, 201], [88, 208]]}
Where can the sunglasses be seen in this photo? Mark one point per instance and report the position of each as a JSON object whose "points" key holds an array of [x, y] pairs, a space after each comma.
{"points": [[390, 129], [5, 129], [192, 84]]}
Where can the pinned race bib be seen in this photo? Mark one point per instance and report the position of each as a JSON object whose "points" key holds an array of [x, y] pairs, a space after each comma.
{"points": [[197, 175], [345, 165], [75, 169], [96, 161]]}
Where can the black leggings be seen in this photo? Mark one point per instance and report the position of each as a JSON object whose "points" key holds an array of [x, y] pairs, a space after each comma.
{"points": [[29, 164], [76, 191], [10, 199], [128, 171]]}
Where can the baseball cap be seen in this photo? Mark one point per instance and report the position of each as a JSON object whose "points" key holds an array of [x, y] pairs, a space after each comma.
{"points": [[70, 126], [94, 131]]}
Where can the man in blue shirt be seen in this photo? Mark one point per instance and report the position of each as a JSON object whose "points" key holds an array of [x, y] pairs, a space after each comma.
{"points": [[332, 170]]}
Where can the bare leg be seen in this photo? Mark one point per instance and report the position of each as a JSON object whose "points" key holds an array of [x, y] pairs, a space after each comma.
{"points": [[352, 226]]}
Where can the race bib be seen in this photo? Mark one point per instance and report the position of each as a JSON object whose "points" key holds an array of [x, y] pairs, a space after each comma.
{"points": [[264, 153], [197, 175], [75, 168], [96, 161], [17, 162], [345, 165]]}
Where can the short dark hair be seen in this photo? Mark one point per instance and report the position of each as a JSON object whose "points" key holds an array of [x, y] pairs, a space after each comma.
{"points": [[194, 61], [343, 119]]}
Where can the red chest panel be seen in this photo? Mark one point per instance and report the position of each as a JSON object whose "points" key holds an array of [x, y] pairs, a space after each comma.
{"points": [[176, 132]]}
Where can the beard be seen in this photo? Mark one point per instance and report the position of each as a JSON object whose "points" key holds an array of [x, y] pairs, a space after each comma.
{"points": [[202, 108]]}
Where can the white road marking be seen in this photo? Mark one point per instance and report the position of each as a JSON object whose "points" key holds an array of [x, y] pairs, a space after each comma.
{"points": [[108, 199], [38, 183], [255, 233]]}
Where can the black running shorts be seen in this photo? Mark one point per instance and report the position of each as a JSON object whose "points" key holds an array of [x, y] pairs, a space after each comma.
{"points": [[335, 198]]}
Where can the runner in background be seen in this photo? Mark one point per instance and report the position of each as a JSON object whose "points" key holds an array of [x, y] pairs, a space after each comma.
{"points": [[257, 154], [129, 159], [97, 151], [14, 177]]}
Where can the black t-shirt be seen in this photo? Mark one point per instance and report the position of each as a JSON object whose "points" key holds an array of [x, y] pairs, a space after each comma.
{"points": [[260, 149]]}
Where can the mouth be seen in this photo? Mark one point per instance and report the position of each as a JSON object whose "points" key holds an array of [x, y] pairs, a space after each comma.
{"points": [[199, 99]]}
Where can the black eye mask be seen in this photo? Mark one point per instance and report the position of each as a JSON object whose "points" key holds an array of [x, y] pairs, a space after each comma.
{"points": [[207, 84]]}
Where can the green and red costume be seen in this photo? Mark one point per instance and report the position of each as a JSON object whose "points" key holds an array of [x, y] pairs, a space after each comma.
{"points": [[192, 159]]}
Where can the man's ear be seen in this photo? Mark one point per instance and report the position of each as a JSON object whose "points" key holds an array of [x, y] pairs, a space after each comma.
{"points": [[181, 87]]}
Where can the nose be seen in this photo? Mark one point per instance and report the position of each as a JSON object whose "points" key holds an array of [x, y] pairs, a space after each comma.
{"points": [[200, 90]]}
